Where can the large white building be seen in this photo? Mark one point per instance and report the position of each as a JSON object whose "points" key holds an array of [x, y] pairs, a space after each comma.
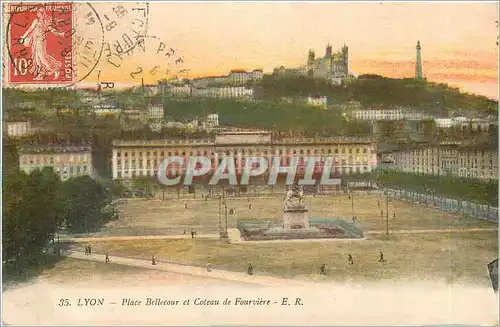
{"points": [[17, 129], [142, 158], [320, 102], [223, 92], [377, 114], [67, 161], [448, 160], [156, 112]]}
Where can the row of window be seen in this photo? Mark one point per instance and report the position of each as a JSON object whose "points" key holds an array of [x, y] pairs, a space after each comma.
{"points": [[68, 169], [133, 173], [481, 153], [286, 160], [243, 151], [45, 159]]}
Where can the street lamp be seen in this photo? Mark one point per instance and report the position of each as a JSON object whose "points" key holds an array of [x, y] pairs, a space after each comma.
{"points": [[387, 214]]}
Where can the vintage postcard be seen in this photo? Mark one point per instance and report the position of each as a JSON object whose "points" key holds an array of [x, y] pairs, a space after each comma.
{"points": [[250, 163]]}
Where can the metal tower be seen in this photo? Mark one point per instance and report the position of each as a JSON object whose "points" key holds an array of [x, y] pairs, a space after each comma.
{"points": [[419, 75]]}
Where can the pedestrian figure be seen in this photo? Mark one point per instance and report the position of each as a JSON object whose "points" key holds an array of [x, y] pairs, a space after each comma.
{"points": [[378, 203], [250, 206], [107, 257], [86, 250], [192, 234], [354, 219], [90, 250], [349, 258], [185, 232], [322, 269], [185, 205], [153, 260], [381, 257], [381, 212], [209, 267], [394, 215], [250, 269]]}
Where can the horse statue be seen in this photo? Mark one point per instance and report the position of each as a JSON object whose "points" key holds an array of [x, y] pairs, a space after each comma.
{"points": [[294, 193]]}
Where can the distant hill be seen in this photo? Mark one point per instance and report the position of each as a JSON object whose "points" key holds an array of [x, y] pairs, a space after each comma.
{"points": [[376, 90]]}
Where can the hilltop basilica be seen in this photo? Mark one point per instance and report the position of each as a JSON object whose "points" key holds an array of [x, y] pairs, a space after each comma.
{"points": [[332, 67]]}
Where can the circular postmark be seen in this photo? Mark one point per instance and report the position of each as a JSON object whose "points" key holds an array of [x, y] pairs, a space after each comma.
{"points": [[148, 58], [56, 44]]}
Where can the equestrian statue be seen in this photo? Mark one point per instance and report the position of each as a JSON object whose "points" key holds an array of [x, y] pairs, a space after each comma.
{"points": [[295, 192]]}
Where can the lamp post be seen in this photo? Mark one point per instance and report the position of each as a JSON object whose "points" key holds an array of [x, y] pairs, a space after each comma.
{"points": [[352, 204], [387, 213], [225, 214]]}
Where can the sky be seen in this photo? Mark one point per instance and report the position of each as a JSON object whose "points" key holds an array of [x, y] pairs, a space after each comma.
{"points": [[458, 39]]}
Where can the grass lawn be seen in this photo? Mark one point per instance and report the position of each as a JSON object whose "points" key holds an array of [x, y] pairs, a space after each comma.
{"points": [[157, 217], [451, 257]]}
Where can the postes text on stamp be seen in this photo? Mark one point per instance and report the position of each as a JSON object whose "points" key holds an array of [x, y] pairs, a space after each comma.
{"points": [[40, 39]]}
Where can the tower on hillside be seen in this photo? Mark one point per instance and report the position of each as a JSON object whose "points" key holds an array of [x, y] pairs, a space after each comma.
{"points": [[419, 75], [328, 52], [310, 57], [345, 58]]}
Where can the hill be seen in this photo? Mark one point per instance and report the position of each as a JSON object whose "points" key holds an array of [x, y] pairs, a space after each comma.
{"points": [[376, 90]]}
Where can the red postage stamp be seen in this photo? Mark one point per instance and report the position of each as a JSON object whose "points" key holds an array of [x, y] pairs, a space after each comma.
{"points": [[40, 43]]}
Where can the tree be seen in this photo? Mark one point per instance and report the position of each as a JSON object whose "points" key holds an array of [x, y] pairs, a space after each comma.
{"points": [[83, 200], [31, 212]]}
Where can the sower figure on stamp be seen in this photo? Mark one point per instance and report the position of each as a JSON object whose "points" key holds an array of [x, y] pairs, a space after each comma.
{"points": [[35, 37]]}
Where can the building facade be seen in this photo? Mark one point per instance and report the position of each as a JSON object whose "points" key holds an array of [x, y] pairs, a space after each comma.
{"points": [[155, 112], [17, 129], [320, 102], [67, 161], [377, 114], [131, 159], [448, 160]]}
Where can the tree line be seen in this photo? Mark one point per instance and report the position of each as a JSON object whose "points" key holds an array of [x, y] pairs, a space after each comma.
{"points": [[37, 205], [274, 116], [376, 90], [484, 192]]}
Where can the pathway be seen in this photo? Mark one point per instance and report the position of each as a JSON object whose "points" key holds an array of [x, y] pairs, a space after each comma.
{"points": [[234, 235], [192, 270], [426, 231]]}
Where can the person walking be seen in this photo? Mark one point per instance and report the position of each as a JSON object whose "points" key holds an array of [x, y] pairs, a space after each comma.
{"points": [[250, 269], [209, 267], [350, 259], [86, 250], [107, 257], [322, 269], [90, 250], [153, 260], [381, 259]]}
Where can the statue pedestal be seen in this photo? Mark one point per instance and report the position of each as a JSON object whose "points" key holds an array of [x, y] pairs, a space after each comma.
{"points": [[295, 216]]}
